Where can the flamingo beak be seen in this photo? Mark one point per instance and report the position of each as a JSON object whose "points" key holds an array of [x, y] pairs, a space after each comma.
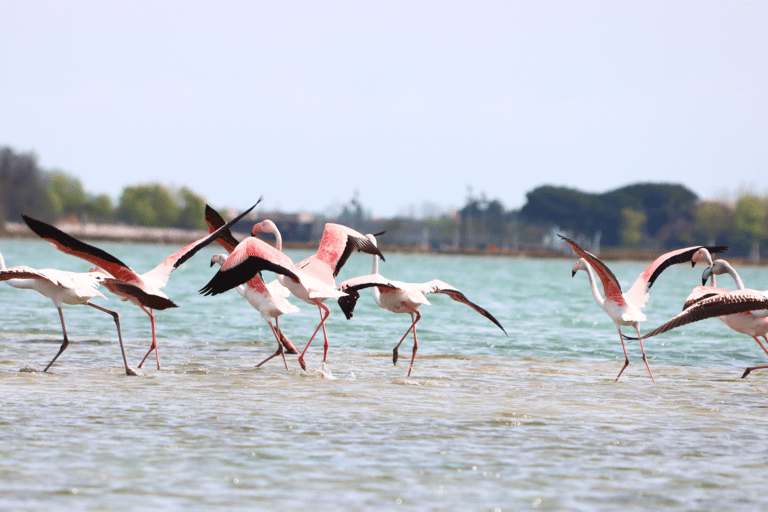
{"points": [[706, 275]]}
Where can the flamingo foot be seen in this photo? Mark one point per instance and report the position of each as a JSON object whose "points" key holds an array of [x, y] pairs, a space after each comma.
{"points": [[626, 363], [132, 372], [394, 356], [302, 363], [746, 372]]}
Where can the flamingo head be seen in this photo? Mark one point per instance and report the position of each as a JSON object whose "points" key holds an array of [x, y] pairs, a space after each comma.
{"points": [[98, 270], [218, 258], [266, 226], [717, 268], [372, 238], [579, 265], [701, 255]]}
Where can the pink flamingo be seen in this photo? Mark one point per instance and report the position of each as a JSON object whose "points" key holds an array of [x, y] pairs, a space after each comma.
{"points": [[323, 267], [625, 308], [252, 256], [62, 287], [143, 290], [752, 323], [268, 299], [400, 297]]}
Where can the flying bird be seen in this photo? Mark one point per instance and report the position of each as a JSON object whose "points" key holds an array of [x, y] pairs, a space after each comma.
{"points": [[63, 287], [743, 310], [625, 308], [336, 245], [400, 297], [143, 290]]}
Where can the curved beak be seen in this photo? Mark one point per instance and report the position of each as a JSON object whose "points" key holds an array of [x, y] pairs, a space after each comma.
{"points": [[706, 275]]}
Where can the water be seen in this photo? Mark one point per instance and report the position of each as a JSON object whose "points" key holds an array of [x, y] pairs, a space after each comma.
{"points": [[486, 421]]}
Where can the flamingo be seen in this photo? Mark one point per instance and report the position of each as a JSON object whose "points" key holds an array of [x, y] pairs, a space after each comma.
{"points": [[752, 323], [143, 290], [744, 311], [400, 297], [268, 299], [63, 287], [625, 308], [323, 267]]}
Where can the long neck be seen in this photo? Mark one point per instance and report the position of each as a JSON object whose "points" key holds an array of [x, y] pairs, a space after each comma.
{"points": [[593, 287], [734, 275], [2, 262], [278, 237], [375, 264]]}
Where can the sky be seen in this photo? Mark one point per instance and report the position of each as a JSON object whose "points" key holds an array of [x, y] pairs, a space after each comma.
{"points": [[410, 105]]}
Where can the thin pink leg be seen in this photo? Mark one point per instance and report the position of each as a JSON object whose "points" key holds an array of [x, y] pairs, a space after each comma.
{"points": [[412, 326], [323, 309], [748, 370], [116, 317], [626, 357], [154, 340], [415, 346], [645, 359], [280, 349], [64, 344]]}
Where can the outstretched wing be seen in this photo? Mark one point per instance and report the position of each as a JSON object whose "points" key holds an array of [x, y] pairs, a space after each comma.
{"points": [[739, 301], [337, 245], [215, 221], [611, 285], [353, 286], [175, 260], [638, 294], [437, 286], [148, 300], [71, 245]]}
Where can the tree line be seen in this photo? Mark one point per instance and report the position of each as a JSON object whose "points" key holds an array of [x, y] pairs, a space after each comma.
{"points": [[50, 195], [650, 215]]}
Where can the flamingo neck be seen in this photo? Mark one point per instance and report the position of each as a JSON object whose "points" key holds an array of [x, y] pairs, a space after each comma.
{"points": [[593, 287], [272, 228], [734, 275], [2, 262], [375, 269]]}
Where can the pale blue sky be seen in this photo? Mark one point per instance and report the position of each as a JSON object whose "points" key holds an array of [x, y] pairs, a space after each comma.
{"points": [[405, 101]]}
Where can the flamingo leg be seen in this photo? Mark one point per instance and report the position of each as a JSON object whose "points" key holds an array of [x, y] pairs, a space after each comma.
{"points": [[323, 309], [154, 340], [280, 349], [116, 317], [748, 370], [413, 326], [626, 356], [64, 344], [645, 359], [415, 343]]}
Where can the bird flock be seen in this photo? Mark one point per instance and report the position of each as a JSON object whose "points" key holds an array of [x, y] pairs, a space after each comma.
{"points": [[313, 280]]}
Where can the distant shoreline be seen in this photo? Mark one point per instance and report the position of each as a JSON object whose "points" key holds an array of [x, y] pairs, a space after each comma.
{"points": [[176, 236]]}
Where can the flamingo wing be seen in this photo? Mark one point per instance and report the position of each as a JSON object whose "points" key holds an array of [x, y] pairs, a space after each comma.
{"points": [[740, 301], [337, 245], [71, 245], [611, 285], [437, 286], [148, 300], [353, 286], [215, 221], [638, 294], [178, 258], [249, 258]]}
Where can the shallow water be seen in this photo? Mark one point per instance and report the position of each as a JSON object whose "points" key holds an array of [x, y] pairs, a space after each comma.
{"points": [[486, 421]]}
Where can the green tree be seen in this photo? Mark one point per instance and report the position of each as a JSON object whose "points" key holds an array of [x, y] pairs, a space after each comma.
{"points": [[632, 227], [192, 214], [148, 205], [66, 193], [22, 186]]}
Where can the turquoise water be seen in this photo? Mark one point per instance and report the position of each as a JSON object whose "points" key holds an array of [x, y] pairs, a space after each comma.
{"points": [[486, 421]]}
